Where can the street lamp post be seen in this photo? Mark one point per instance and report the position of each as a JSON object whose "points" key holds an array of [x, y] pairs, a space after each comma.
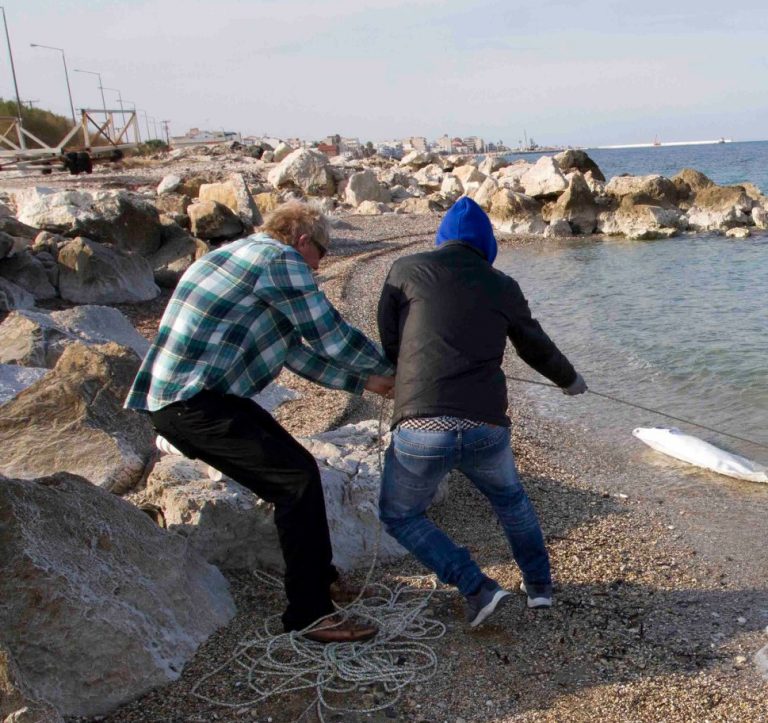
{"points": [[15, 84], [101, 88], [66, 76], [146, 123]]}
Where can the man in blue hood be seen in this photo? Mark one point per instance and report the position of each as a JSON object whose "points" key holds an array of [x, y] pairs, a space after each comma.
{"points": [[444, 319]]}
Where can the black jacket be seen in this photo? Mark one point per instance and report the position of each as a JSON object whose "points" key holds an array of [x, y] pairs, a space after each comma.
{"points": [[444, 319]]}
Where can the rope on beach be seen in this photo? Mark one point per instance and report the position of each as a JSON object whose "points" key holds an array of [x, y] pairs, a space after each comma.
{"points": [[273, 662], [646, 409]]}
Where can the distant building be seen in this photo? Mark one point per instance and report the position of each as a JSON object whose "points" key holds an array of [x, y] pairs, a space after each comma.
{"points": [[261, 140], [195, 136], [458, 146], [390, 149], [473, 143], [330, 149], [351, 146], [416, 143], [443, 144]]}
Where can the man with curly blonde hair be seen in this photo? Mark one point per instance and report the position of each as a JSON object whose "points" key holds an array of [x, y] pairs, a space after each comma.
{"points": [[237, 317]]}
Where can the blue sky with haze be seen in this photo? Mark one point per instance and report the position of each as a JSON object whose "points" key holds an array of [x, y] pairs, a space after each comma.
{"points": [[579, 72]]}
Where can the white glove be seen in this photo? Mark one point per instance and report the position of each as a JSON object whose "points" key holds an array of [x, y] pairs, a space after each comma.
{"points": [[579, 386]]}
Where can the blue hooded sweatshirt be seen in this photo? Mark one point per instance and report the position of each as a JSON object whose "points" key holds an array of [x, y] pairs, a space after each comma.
{"points": [[468, 223]]}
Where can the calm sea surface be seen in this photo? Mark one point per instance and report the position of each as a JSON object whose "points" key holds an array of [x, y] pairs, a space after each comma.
{"points": [[724, 163], [677, 325]]}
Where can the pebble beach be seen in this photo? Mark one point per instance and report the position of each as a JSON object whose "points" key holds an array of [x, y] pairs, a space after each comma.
{"points": [[645, 626]]}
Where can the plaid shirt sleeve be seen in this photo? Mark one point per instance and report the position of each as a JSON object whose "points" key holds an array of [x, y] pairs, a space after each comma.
{"points": [[309, 364], [288, 286]]}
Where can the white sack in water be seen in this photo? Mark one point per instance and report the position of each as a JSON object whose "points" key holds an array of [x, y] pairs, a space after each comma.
{"points": [[703, 454]]}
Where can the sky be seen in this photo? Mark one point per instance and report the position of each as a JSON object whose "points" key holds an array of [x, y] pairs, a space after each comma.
{"points": [[563, 72]]}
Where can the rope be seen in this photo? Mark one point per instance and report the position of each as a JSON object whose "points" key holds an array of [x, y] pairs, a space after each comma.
{"points": [[647, 409], [275, 663]]}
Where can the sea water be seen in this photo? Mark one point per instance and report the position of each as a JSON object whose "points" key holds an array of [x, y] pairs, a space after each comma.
{"points": [[724, 163], [679, 325]]}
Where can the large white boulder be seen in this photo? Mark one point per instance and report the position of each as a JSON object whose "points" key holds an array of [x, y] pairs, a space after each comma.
{"points": [[39, 338], [544, 179], [491, 164], [124, 220], [365, 186], [429, 177], [234, 194], [641, 221], [46, 208], [73, 420], [94, 273], [653, 190], [451, 187], [282, 151], [225, 522], [232, 527], [471, 179], [99, 604], [306, 169], [211, 220], [417, 159], [169, 184], [511, 176], [576, 205], [719, 208], [576, 160], [513, 212], [483, 196]]}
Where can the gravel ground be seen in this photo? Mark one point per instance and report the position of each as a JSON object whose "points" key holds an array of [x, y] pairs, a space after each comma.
{"points": [[644, 628]]}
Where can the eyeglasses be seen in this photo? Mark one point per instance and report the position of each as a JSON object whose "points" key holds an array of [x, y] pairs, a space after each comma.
{"points": [[321, 250]]}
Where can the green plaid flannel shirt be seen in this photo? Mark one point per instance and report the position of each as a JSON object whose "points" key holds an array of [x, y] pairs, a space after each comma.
{"points": [[237, 317]]}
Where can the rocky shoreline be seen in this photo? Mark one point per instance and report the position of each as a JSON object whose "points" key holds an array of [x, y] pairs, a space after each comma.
{"points": [[643, 630], [645, 627]]}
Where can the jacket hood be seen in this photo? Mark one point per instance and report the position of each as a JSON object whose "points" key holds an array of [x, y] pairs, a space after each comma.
{"points": [[465, 221]]}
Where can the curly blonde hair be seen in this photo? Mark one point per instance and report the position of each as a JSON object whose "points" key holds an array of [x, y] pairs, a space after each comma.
{"points": [[294, 219]]}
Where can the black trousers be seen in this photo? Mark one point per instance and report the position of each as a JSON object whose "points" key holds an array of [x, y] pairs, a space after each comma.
{"points": [[240, 439]]}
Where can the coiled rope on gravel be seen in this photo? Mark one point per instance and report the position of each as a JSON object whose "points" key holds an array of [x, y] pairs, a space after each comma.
{"points": [[274, 663]]}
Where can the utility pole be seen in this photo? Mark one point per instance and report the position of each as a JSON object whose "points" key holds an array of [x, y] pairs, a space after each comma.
{"points": [[101, 88], [22, 142], [66, 76], [167, 135], [146, 123]]}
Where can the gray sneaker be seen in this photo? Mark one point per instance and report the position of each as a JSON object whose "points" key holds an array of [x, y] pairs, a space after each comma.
{"points": [[539, 596], [483, 603]]}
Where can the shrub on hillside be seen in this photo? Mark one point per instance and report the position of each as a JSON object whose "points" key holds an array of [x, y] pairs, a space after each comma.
{"points": [[47, 126]]}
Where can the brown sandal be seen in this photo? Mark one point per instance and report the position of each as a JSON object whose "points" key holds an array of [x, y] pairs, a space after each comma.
{"points": [[335, 630]]}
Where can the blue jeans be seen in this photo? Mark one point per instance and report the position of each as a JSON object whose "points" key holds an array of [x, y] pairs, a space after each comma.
{"points": [[414, 465]]}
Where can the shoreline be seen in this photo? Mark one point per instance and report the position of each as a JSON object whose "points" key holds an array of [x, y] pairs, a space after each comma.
{"points": [[644, 628]]}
